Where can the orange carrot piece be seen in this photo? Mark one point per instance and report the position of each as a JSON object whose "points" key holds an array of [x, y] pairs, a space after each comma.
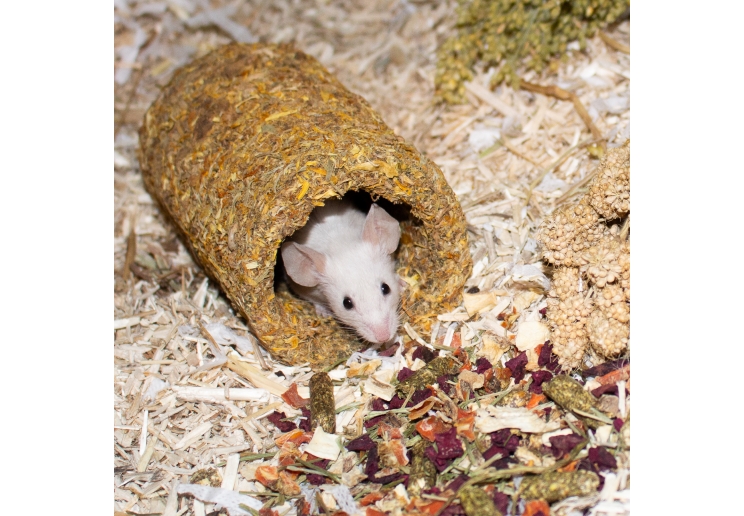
{"points": [[615, 376], [535, 400], [571, 466], [535, 506], [371, 498], [430, 427]]}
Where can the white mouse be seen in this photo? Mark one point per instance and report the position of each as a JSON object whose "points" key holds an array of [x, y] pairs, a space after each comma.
{"points": [[342, 262]]}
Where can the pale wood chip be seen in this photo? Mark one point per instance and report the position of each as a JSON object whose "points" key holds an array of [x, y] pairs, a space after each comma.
{"points": [[193, 435], [230, 475]]}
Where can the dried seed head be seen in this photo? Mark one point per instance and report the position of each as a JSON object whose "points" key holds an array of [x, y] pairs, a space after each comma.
{"points": [[611, 301], [568, 231], [609, 192], [624, 262], [592, 257], [570, 351], [565, 283], [567, 313], [601, 262], [567, 320], [608, 337]]}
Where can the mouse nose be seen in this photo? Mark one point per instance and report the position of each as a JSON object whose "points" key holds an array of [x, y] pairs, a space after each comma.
{"points": [[382, 334], [382, 331]]}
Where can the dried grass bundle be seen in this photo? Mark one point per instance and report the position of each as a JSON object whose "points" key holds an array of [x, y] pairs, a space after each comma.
{"points": [[240, 147]]}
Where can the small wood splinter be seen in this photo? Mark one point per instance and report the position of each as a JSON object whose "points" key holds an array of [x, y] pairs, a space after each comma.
{"points": [[561, 94], [613, 43]]}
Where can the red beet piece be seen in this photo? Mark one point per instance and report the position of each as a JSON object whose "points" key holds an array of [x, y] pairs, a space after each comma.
{"points": [[420, 396], [482, 365], [305, 423], [516, 365], [538, 378], [374, 421], [278, 418], [505, 439], [404, 374], [453, 510], [388, 478], [361, 443], [601, 458], [493, 450], [456, 483], [563, 444], [501, 501], [545, 351], [446, 387], [448, 447], [373, 464], [607, 367], [396, 402], [547, 359], [605, 389], [378, 404], [423, 353], [390, 351]]}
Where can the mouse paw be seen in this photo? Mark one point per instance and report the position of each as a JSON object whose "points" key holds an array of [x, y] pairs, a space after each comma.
{"points": [[322, 310]]}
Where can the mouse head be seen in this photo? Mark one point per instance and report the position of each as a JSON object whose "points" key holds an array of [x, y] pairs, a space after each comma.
{"points": [[358, 280]]}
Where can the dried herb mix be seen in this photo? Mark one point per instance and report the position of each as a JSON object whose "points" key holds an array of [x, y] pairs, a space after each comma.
{"points": [[240, 147], [557, 485], [322, 403], [476, 502], [428, 375]]}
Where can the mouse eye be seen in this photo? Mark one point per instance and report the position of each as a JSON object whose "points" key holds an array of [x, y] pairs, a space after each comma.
{"points": [[348, 304], [385, 289]]}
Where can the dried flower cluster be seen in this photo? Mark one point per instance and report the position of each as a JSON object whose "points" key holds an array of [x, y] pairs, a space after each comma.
{"points": [[521, 32], [589, 302]]}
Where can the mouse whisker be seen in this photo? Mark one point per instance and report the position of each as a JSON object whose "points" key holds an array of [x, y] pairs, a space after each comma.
{"points": [[348, 329]]}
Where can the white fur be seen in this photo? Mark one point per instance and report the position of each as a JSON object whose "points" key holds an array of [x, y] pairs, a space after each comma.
{"points": [[337, 257]]}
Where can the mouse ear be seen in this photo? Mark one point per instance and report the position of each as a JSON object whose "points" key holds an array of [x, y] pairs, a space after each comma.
{"points": [[381, 230], [304, 265]]}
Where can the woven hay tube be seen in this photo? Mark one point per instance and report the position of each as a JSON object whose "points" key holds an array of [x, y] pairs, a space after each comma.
{"points": [[245, 142]]}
